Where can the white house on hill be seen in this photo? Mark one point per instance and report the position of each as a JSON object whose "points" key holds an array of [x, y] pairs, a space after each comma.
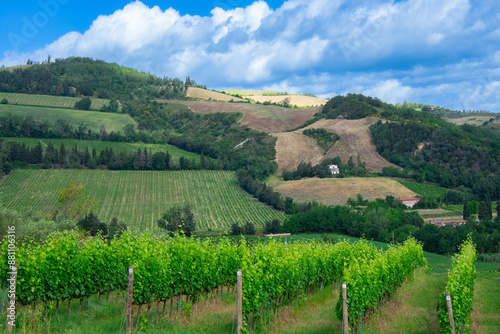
{"points": [[334, 169]]}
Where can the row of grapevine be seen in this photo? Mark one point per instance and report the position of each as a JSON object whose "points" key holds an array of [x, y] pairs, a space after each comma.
{"points": [[277, 273], [72, 266], [460, 285], [372, 280]]}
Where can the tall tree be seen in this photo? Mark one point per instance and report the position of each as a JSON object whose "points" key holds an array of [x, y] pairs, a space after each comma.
{"points": [[37, 154], [483, 212], [467, 210], [488, 206], [178, 219]]}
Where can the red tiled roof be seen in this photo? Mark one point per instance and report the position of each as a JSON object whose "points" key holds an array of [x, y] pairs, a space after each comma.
{"points": [[409, 199]]}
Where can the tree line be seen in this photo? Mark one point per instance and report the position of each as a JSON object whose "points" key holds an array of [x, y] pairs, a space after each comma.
{"points": [[18, 155], [322, 170]]}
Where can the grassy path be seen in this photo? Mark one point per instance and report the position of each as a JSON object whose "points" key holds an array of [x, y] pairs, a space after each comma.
{"points": [[412, 308], [314, 314], [486, 314]]}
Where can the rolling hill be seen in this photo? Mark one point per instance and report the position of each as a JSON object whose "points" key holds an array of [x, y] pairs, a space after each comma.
{"points": [[205, 94], [50, 101], [93, 119], [294, 99], [268, 119]]}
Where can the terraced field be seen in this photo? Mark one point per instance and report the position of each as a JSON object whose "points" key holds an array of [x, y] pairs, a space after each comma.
{"points": [[93, 119], [140, 198], [50, 101]]}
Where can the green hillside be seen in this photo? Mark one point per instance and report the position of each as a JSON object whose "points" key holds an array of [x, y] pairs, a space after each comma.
{"points": [[49, 100], [140, 198], [93, 119], [98, 145], [77, 76]]}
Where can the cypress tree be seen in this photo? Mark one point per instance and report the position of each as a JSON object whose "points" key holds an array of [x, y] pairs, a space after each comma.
{"points": [[37, 154], [62, 154], [467, 210], [483, 212], [489, 212]]}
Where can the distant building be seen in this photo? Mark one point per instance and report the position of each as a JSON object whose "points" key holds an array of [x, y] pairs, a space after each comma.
{"points": [[409, 201], [334, 169]]}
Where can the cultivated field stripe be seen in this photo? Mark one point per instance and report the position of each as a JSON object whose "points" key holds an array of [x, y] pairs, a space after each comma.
{"points": [[140, 198]]}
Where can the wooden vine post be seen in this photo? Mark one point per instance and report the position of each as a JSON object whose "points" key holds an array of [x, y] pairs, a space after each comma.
{"points": [[450, 311], [11, 309], [345, 317], [130, 296], [239, 301]]}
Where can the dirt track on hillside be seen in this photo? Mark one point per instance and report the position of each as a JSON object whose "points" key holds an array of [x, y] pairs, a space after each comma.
{"points": [[258, 117], [292, 148]]}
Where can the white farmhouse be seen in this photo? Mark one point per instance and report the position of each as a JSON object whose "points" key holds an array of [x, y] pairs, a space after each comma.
{"points": [[334, 169]]}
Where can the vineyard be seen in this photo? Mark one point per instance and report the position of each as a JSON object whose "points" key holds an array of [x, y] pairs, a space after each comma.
{"points": [[70, 266], [99, 146], [425, 190], [50, 101], [140, 198], [93, 119]]}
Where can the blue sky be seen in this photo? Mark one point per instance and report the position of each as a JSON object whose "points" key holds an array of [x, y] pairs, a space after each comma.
{"points": [[441, 52]]}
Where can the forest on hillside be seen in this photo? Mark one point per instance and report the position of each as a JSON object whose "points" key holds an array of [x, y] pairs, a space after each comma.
{"points": [[76, 76], [429, 148]]}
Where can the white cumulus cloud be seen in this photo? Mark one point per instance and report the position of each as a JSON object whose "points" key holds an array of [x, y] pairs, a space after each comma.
{"points": [[441, 52]]}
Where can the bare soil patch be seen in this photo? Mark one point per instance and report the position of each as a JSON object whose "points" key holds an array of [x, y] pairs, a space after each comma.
{"points": [[355, 138], [293, 148], [295, 99], [336, 191], [258, 117]]}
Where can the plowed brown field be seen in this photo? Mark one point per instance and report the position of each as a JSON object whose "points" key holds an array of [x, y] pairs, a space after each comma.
{"points": [[292, 148], [258, 117], [336, 191], [355, 138]]}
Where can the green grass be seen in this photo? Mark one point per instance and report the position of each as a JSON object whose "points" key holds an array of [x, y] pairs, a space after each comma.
{"points": [[425, 190], [411, 309], [98, 145], [93, 119], [50, 101], [486, 315], [140, 198], [99, 317]]}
